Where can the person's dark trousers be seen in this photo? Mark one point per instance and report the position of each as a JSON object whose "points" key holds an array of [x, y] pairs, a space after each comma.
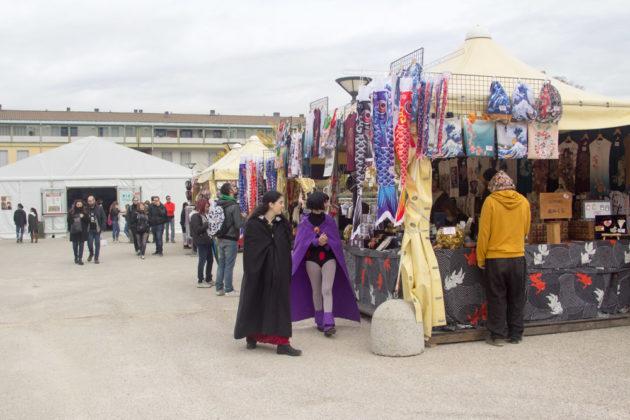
{"points": [[204, 251], [134, 235], [19, 233], [94, 243], [505, 291], [77, 248], [158, 237]]}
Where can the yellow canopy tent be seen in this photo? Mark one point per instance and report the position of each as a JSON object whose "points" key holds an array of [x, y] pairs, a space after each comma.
{"points": [[481, 56], [226, 168]]}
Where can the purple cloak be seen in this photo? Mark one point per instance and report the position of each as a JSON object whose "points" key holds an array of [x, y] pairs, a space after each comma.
{"points": [[344, 301]]}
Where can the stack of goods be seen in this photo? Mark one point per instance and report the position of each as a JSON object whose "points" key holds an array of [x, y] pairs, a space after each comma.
{"points": [[582, 230]]}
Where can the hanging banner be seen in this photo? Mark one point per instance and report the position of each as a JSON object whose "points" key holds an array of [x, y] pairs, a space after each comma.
{"points": [[329, 164]]}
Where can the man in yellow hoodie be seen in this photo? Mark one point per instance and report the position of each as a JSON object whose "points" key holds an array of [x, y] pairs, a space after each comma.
{"points": [[503, 226]]}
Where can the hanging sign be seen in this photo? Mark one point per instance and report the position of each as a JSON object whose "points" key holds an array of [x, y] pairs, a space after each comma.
{"points": [[53, 202], [556, 205]]}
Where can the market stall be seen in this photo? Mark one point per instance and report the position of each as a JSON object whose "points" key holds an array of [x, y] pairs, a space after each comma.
{"points": [[429, 139]]}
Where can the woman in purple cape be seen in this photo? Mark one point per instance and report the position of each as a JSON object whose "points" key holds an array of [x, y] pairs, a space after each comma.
{"points": [[320, 285]]}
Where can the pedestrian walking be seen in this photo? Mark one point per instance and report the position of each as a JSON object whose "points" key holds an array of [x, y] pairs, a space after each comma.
{"points": [[142, 228], [320, 276], [97, 219], [19, 218], [199, 225], [157, 219], [114, 218], [132, 223], [126, 217], [33, 224], [264, 313], [228, 235], [182, 223], [170, 223], [503, 226], [78, 225]]}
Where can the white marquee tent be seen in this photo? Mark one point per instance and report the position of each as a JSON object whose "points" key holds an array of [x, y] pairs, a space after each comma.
{"points": [[44, 180]]}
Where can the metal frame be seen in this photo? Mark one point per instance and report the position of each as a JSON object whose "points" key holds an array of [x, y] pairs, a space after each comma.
{"points": [[321, 104], [407, 60], [474, 90]]}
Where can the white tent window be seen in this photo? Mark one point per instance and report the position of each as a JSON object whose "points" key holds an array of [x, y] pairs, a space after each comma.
{"points": [[22, 154]]}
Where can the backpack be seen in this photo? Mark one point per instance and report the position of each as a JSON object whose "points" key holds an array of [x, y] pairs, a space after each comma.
{"points": [[523, 103], [142, 225], [226, 222], [549, 104], [499, 101], [216, 220], [76, 226]]}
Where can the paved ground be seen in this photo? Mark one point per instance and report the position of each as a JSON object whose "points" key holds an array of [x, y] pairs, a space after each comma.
{"points": [[136, 339]]}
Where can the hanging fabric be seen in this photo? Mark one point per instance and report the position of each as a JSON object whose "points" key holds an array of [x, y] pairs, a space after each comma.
{"points": [[453, 145], [242, 185], [349, 127], [307, 146], [441, 103], [523, 104], [425, 97], [362, 138], [511, 140], [568, 151], [600, 171], [384, 153], [543, 141], [549, 104], [583, 165], [499, 106], [317, 121], [403, 141], [617, 163], [478, 137]]}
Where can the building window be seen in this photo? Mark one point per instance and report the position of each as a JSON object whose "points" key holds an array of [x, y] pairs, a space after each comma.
{"points": [[102, 132], [32, 130], [114, 131], [215, 134], [4, 157], [159, 132], [130, 131], [22, 154], [5, 130], [19, 130], [167, 156], [185, 134], [74, 131], [240, 133], [185, 158]]}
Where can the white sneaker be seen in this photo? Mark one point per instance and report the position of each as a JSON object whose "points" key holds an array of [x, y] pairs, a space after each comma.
{"points": [[233, 293], [142, 257]]}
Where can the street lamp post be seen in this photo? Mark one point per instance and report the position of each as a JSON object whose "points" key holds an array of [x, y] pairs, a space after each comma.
{"points": [[351, 84]]}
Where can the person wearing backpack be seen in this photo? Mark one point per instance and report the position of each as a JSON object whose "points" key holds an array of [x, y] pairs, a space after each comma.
{"points": [[157, 219], [19, 218], [199, 225], [142, 228], [98, 220], [78, 225], [228, 236]]}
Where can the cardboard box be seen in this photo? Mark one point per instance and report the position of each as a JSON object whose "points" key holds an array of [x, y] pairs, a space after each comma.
{"points": [[556, 205]]}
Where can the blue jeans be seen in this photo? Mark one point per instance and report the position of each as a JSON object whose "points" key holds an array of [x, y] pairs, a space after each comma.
{"points": [[204, 251], [94, 243], [19, 233], [115, 230], [170, 225], [126, 229], [158, 237], [227, 257]]}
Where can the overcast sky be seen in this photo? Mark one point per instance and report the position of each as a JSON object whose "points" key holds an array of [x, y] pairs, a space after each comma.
{"points": [[257, 57]]}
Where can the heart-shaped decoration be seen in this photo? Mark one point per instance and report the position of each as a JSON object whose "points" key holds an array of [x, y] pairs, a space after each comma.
{"points": [[608, 223]]}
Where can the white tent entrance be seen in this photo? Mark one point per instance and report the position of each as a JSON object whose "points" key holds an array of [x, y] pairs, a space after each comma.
{"points": [[50, 181]]}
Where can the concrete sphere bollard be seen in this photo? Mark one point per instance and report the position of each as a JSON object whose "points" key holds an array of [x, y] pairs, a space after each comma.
{"points": [[394, 330]]}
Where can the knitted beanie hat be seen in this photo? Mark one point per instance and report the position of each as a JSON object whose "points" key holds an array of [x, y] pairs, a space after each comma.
{"points": [[500, 182]]}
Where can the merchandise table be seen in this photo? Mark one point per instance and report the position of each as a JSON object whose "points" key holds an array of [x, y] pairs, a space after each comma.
{"points": [[571, 281]]}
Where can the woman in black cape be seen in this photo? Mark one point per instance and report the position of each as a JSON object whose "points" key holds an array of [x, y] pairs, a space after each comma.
{"points": [[264, 311]]}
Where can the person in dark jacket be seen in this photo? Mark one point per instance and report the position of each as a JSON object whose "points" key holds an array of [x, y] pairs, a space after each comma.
{"points": [[33, 224], [264, 310], [157, 219], [131, 214], [141, 221], [114, 217], [182, 223], [203, 242], [98, 221], [228, 237], [19, 218], [78, 225]]}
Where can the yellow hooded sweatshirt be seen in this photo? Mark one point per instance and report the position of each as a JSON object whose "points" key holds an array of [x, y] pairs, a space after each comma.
{"points": [[503, 226]]}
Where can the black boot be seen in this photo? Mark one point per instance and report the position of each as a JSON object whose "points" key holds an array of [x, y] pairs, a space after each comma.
{"points": [[288, 350], [251, 343]]}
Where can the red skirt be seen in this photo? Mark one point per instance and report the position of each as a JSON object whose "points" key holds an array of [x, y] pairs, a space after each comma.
{"points": [[270, 339]]}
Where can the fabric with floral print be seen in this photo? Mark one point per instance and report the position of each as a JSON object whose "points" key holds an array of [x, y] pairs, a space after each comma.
{"points": [[543, 141]]}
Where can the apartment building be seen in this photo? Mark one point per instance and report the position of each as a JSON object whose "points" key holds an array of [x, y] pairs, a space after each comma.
{"points": [[179, 138]]}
